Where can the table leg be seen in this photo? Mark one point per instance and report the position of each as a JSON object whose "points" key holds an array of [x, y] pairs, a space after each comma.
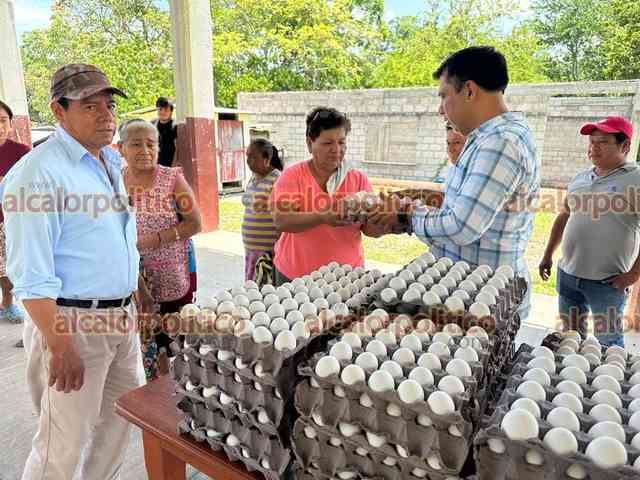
{"points": [[161, 463]]}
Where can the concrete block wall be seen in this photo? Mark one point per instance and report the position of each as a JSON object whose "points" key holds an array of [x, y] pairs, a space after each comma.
{"points": [[398, 133]]}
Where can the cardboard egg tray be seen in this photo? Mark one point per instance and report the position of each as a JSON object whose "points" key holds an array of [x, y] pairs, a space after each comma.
{"points": [[253, 449], [355, 454], [512, 465]]}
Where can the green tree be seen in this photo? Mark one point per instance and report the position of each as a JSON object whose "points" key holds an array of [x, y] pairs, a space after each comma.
{"points": [[572, 32], [262, 45], [419, 44], [622, 42], [128, 39]]}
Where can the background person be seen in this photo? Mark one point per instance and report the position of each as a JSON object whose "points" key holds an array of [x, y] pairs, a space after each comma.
{"points": [[455, 144], [259, 233], [73, 269], [599, 245], [486, 216], [166, 217], [10, 153], [167, 131], [313, 233]]}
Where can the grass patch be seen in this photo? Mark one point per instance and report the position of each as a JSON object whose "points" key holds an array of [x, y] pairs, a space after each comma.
{"points": [[399, 249]]}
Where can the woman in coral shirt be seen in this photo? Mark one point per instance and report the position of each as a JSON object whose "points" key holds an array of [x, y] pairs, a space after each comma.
{"points": [[307, 204]]}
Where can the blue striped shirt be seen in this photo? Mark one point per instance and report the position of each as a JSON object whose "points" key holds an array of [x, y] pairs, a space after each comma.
{"points": [[70, 230], [486, 217]]}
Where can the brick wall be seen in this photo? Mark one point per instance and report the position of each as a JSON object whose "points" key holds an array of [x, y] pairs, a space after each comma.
{"points": [[398, 133]]}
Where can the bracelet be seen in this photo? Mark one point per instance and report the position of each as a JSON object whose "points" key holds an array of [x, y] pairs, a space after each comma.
{"points": [[175, 230]]}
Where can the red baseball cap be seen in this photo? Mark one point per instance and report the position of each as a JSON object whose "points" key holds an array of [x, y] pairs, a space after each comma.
{"points": [[609, 125]]}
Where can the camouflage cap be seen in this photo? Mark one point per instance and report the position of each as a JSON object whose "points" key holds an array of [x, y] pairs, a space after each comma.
{"points": [[78, 80]]}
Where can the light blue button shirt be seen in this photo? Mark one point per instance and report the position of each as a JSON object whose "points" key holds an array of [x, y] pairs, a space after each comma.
{"points": [[70, 233]]}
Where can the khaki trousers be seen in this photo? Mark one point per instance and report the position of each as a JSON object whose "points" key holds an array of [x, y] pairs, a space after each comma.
{"points": [[80, 430]]}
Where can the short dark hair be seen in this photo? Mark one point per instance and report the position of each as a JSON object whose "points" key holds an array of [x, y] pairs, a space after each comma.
{"points": [[164, 102], [326, 118], [5, 107], [486, 66], [620, 137], [64, 102]]}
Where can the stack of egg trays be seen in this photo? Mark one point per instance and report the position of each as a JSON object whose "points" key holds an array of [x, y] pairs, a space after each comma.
{"points": [[253, 449], [512, 465], [417, 440]]}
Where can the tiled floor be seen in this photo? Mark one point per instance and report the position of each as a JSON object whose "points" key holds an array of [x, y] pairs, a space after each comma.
{"points": [[220, 263]]}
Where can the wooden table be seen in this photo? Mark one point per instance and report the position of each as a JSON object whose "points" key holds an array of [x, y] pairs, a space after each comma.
{"points": [[153, 409]]}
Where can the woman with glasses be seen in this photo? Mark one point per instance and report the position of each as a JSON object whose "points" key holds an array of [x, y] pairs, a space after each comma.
{"points": [[307, 205]]}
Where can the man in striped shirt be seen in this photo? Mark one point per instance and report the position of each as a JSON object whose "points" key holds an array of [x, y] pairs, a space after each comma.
{"points": [[486, 217]]}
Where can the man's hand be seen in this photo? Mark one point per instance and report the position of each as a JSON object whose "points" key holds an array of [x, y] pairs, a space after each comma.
{"points": [[66, 368], [545, 268], [385, 214], [621, 282]]}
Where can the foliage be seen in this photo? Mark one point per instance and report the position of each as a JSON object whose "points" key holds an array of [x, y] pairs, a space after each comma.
{"points": [[573, 32], [622, 42], [419, 44]]}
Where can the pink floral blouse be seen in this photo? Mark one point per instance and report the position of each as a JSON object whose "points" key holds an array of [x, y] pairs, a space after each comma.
{"points": [[167, 267]]}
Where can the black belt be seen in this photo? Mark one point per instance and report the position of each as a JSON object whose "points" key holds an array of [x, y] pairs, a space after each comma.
{"points": [[73, 302]]}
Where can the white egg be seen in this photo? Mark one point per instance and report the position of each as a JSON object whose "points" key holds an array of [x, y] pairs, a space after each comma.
{"points": [[276, 310], [428, 258], [208, 392], [635, 441], [376, 441], [459, 368], [294, 316], [593, 349], [340, 309], [443, 337], [451, 329], [616, 349], [327, 366], [542, 351], [569, 401], [451, 384], [576, 471], [574, 374], [468, 286], [456, 274], [569, 386], [377, 347], [422, 375], [441, 403], [381, 381], [471, 342], [224, 296], [506, 271], [393, 367], [538, 375], [608, 429], [342, 351], [561, 441], [634, 406], [605, 413], [519, 425], [496, 282], [449, 283], [302, 298], [634, 421], [486, 298], [491, 290], [404, 357], [407, 275], [278, 325], [607, 397], [564, 417], [462, 295], [398, 284], [634, 379], [387, 337], [496, 445], [606, 452], [285, 340], [634, 392], [243, 327], [299, 330], [478, 332], [439, 349], [593, 360], [431, 298], [441, 267], [571, 343], [348, 429], [430, 361], [308, 309], [352, 374], [426, 325], [467, 354], [454, 304], [225, 307], [611, 370], [440, 290], [527, 404], [545, 363], [532, 390], [412, 342], [262, 334], [419, 287]]}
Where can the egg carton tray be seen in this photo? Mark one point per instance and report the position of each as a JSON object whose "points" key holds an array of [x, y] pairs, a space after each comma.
{"points": [[553, 340], [207, 369], [257, 448], [478, 368], [586, 422], [280, 416], [251, 353], [515, 380], [512, 464], [520, 365], [323, 456]]}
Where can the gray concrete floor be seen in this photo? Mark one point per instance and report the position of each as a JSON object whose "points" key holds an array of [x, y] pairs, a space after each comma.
{"points": [[220, 265]]}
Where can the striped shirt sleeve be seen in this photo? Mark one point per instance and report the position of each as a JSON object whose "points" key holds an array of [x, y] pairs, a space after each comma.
{"points": [[491, 180]]}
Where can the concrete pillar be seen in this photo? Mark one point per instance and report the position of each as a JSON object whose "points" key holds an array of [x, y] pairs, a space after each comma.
{"points": [[193, 57], [12, 90]]}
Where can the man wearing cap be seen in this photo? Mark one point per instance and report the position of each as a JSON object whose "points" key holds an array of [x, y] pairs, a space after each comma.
{"points": [[72, 258], [600, 232]]}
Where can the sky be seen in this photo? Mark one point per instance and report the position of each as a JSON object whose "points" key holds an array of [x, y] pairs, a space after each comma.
{"points": [[31, 14]]}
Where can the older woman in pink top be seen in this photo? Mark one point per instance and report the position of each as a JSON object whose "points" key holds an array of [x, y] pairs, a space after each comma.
{"points": [[306, 202]]}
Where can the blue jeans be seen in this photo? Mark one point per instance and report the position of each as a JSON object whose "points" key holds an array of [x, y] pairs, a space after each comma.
{"points": [[579, 295]]}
